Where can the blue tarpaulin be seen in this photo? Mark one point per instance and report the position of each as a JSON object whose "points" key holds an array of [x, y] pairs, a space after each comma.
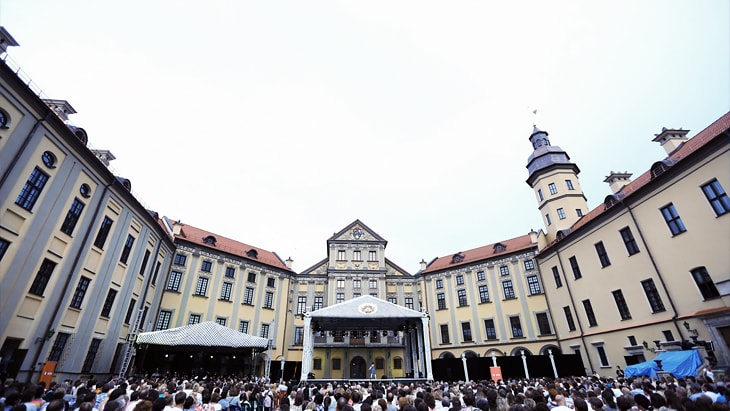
{"points": [[680, 363]]}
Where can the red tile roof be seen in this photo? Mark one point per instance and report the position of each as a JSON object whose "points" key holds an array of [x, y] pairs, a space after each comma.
{"points": [[223, 244], [482, 253], [685, 150]]}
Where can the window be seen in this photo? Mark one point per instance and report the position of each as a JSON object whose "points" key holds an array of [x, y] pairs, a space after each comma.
{"points": [[180, 259], [226, 291], [318, 302], [552, 188], [301, 304], [574, 266], [632, 341], [106, 309], [91, 355], [372, 255], [466, 331], [623, 307], [130, 311], [72, 217], [516, 326], [143, 266], [445, 334], [251, 277], [409, 303], [543, 324], [481, 276], [704, 283], [529, 265], [42, 277], [717, 197], [548, 221], [356, 284], [439, 283], [80, 292], [338, 336], [393, 300], [459, 279], [509, 291], [144, 317], [59, 345], [32, 189], [534, 285], [668, 335], [602, 356], [269, 300], [569, 318], [561, 213], [163, 321], [356, 256], [569, 184], [556, 276], [652, 295], [173, 283], [340, 283], [373, 284], [101, 236], [194, 319], [461, 294], [341, 255], [337, 363], [4, 245], [201, 288], [629, 241], [602, 254], [243, 326], [205, 266], [264, 331], [339, 297], [299, 336], [221, 321], [230, 272], [675, 224], [483, 294], [589, 313], [398, 363], [579, 212], [441, 301], [127, 249], [491, 331], [504, 270], [379, 363]]}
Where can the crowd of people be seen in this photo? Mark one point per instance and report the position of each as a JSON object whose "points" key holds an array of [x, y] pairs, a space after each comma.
{"points": [[214, 393]]}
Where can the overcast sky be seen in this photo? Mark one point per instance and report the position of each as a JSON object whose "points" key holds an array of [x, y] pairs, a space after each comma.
{"points": [[278, 123]]}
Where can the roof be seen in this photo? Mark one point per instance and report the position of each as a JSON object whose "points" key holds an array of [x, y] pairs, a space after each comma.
{"points": [[718, 127], [482, 253], [224, 244], [367, 312], [205, 334]]}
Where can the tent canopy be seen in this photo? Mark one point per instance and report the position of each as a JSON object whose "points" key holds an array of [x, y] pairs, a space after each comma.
{"points": [[204, 334], [680, 363], [365, 313]]}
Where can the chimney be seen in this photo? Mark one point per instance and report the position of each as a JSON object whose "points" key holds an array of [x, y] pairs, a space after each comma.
{"points": [[617, 181], [533, 236], [61, 107], [104, 155], [671, 139], [6, 40], [424, 264], [289, 262]]}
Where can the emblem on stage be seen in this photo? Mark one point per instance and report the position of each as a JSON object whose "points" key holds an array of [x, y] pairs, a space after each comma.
{"points": [[368, 308]]}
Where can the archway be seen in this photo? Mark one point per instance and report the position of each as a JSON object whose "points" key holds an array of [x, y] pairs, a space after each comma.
{"points": [[357, 367], [446, 355]]}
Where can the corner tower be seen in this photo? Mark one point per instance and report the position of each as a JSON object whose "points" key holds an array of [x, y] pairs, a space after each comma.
{"points": [[554, 178]]}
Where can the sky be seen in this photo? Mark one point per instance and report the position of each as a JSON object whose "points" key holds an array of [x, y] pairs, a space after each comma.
{"points": [[278, 123]]}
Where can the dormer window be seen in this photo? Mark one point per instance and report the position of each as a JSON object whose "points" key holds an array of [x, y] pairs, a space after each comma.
{"points": [[210, 240], [499, 247], [252, 253], [660, 167], [457, 258]]}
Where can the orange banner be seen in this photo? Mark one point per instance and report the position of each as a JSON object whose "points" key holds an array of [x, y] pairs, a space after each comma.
{"points": [[47, 374], [496, 373]]}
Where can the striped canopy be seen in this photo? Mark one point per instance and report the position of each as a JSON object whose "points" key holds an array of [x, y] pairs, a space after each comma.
{"points": [[204, 334]]}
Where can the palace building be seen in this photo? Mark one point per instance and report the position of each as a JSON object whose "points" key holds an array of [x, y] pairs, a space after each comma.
{"points": [[85, 268]]}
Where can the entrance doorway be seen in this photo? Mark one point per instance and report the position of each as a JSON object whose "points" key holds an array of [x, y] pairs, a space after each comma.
{"points": [[357, 368]]}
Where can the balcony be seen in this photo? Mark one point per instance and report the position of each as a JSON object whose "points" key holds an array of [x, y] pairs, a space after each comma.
{"points": [[331, 341]]}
